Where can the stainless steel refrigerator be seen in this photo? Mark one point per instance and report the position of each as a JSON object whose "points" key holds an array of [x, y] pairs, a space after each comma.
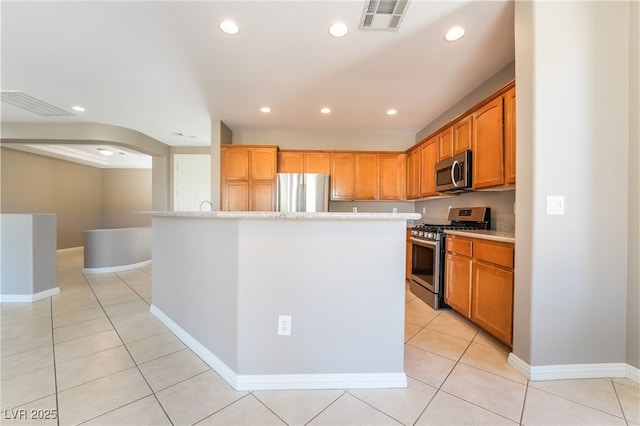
{"points": [[302, 192]]}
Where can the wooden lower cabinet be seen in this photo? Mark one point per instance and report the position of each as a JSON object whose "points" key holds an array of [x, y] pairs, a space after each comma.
{"points": [[458, 283], [479, 283], [492, 300]]}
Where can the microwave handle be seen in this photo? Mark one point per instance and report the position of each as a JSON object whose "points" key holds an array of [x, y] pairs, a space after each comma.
{"points": [[453, 178]]}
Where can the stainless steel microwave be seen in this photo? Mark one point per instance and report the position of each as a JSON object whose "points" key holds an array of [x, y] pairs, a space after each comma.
{"points": [[453, 174]]}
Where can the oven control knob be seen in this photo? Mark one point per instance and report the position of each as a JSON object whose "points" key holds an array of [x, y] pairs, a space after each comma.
{"points": [[420, 234], [431, 235]]}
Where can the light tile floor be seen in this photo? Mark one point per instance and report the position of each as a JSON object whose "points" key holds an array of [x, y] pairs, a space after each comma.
{"points": [[96, 356]]}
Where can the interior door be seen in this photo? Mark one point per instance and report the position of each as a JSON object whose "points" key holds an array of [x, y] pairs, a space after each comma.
{"points": [[191, 182]]}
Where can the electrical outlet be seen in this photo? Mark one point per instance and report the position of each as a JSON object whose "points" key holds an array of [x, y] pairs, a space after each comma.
{"points": [[284, 325], [424, 210]]}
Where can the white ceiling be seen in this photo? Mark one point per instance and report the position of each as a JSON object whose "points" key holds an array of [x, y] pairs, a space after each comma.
{"points": [[164, 68]]}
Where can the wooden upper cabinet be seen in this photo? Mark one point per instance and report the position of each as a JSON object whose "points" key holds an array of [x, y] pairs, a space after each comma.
{"points": [[510, 136], [263, 163], [366, 176], [317, 162], [235, 163], [413, 173], [304, 162], [445, 143], [488, 145], [290, 162], [342, 175], [462, 134], [392, 177], [428, 159]]}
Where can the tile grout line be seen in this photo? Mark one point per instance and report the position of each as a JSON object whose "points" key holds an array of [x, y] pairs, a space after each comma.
{"points": [[267, 407], [129, 352], [55, 370], [615, 390], [132, 289], [344, 391]]}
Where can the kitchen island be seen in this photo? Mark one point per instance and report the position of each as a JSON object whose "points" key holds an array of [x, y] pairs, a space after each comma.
{"points": [[221, 281]]}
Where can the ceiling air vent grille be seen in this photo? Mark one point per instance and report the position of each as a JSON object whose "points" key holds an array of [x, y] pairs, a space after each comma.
{"points": [[382, 14], [31, 104]]}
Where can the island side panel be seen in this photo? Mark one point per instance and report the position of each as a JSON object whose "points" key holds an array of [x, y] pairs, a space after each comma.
{"points": [[343, 284], [194, 276]]}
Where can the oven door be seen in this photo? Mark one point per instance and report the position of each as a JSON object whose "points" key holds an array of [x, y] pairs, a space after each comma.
{"points": [[426, 264]]}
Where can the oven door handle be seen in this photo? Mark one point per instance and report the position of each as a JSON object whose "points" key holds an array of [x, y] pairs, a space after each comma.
{"points": [[424, 242]]}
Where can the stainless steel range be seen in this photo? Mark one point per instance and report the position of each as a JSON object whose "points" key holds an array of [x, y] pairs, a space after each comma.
{"points": [[428, 248]]}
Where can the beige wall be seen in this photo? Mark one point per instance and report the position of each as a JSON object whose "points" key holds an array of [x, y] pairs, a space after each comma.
{"points": [[125, 191], [82, 197]]}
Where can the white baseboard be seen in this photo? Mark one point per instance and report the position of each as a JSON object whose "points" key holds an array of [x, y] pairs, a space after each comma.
{"points": [[22, 298], [282, 381], [573, 371], [321, 381], [633, 373], [115, 268]]}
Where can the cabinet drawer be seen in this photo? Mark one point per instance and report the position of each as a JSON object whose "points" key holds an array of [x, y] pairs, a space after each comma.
{"points": [[499, 254], [459, 245]]}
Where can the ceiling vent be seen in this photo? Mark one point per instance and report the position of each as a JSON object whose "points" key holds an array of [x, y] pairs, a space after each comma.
{"points": [[382, 14], [31, 104]]}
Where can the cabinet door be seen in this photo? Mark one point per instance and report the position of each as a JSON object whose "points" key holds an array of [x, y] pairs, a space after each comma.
{"points": [[428, 157], [488, 148], [317, 162], [366, 176], [262, 196], [492, 304], [263, 163], [342, 176], [462, 134], [235, 163], [413, 174], [290, 162], [510, 136], [392, 177], [235, 196], [457, 287], [445, 143]]}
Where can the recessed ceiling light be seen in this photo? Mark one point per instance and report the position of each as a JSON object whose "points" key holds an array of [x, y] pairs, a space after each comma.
{"points": [[105, 152], [338, 29], [392, 111], [265, 109], [78, 108], [454, 33], [229, 27], [325, 110]]}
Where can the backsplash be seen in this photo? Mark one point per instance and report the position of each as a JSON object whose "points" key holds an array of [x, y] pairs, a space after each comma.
{"points": [[501, 203], [436, 209]]}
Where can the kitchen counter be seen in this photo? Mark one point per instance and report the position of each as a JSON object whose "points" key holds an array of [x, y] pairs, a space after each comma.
{"points": [[290, 216], [501, 236], [221, 280]]}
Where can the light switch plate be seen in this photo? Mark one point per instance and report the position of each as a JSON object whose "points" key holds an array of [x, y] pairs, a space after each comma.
{"points": [[555, 204]]}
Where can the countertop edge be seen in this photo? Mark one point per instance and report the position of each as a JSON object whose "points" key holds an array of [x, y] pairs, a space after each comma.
{"points": [[500, 236], [283, 215]]}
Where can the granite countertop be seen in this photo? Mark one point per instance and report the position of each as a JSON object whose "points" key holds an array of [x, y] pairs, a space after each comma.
{"points": [[501, 236], [282, 215]]}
